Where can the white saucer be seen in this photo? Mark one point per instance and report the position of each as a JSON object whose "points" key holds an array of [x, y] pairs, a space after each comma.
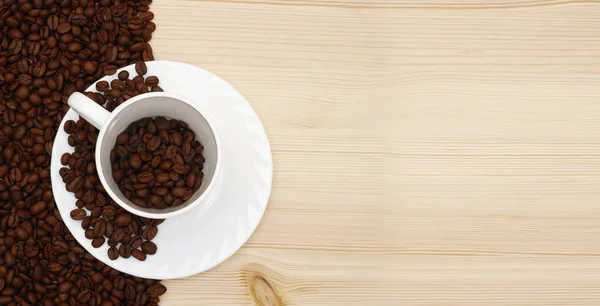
{"points": [[207, 235]]}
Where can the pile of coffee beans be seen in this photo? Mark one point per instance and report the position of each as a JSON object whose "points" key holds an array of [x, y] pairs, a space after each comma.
{"points": [[102, 219], [42, 61], [158, 163]]}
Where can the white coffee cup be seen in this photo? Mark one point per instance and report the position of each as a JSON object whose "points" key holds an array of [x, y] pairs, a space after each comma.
{"points": [[154, 104]]}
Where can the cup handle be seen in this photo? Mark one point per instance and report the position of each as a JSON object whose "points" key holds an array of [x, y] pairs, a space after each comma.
{"points": [[89, 109]]}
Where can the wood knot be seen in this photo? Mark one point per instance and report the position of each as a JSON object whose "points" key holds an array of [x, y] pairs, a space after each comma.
{"points": [[261, 290]]}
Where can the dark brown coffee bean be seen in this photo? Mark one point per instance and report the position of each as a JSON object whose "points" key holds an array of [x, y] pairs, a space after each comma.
{"points": [[156, 290], [118, 84], [150, 232], [146, 177], [123, 138], [86, 223], [135, 242], [153, 143], [190, 180], [117, 235], [177, 138], [134, 140], [139, 201], [181, 191], [135, 161], [174, 177], [113, 253], [123, 219], [24, 79], [124, 251], [110, 70], [21, 233], [140, 68], [39, 69], [119, 283], [99, 229], [53, 22], [111, 54], [84, 296], [63, 28], [78, 214], [65, 287], [89, 234], [166, 165], [186, 150], [161, 191], [138, 47], [122, 151], [102, 86], [123, 75], [162, 177], [155, 161], [97, 278], [89, 67], [179, 168], [98, 242], [79, 19], [13, 220], [40, 207], [172, 152], [138, 254], [149, 248], [130, 293]]}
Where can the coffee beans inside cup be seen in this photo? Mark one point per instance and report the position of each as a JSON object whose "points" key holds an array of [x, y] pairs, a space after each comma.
{"points": [[158, 163]]}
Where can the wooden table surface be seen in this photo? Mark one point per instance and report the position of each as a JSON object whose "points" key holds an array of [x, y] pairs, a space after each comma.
{"points": [[426, 152]]}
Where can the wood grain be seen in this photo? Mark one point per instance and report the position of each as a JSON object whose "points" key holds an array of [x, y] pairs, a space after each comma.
{"points": [[426, 152]]}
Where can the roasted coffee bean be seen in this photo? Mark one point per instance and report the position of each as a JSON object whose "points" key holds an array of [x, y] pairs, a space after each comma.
{"points": [[113, 253], [110, 70], [78, 214], [40, 207], [179, 168], [124, 75], [124, 251], [156, 290], [89, 67], [98, 242], [99, 229], [135, 161], [102, 86], [89, 234], [153, 143], [138, 254], [162, 177], [145, 177], [140, 68], [63, 28], [123, 219], [136, 242], [181, 191], [84, 296], [149, 247]]}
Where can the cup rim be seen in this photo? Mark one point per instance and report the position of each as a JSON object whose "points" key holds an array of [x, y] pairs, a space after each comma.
{"points": [[131, 208]]}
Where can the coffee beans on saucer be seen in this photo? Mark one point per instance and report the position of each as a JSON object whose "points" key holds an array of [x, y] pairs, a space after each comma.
{"points": [[103, 220], [157, 162]]}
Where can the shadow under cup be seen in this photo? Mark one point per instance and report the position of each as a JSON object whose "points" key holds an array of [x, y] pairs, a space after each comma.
{"points": [[170, 108]]}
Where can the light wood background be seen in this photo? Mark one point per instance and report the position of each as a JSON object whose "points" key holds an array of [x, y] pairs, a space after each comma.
{"points": [[426, 152]]}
